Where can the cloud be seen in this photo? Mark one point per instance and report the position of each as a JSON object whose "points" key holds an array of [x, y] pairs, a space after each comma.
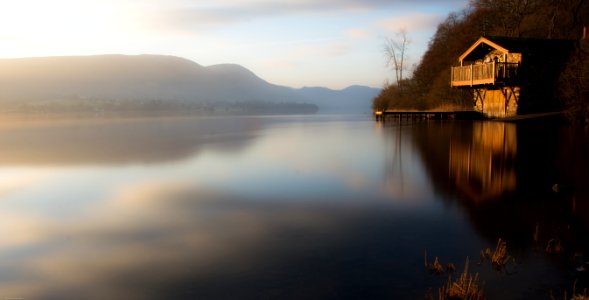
{"points": [[280, 63], [309, 49], [188, 15], [265, 7], [412, 22], [357, 33]]}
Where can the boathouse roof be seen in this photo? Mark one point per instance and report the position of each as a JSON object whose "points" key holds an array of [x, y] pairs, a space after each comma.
{"points": [[508, 45]]}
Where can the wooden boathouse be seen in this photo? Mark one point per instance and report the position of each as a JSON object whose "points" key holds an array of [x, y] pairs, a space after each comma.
{"points": [[512, 76]]}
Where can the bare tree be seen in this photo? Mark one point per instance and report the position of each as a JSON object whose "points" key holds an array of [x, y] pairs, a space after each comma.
{"points": [[394, 51]]}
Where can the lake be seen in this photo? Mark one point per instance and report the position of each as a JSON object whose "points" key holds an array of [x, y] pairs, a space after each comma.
{"points": [[288, 207]]}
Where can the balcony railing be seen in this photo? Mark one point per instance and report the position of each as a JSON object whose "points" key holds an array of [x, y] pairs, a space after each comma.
{"points": [[482, 74]]}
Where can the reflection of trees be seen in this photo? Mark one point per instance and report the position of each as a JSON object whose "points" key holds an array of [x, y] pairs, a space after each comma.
{"points": [[483, 167], [474, 161], [396, 166], [572, 163], [514, 165], [500, 176], [394, 163]]}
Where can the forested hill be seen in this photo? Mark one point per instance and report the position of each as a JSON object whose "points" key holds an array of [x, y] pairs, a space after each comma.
{"points": [[113, 83], [547, 19]]}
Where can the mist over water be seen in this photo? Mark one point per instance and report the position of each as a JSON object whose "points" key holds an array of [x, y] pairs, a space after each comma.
{"points": [[311, 207]]}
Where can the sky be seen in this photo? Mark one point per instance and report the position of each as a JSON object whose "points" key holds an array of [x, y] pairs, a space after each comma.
{"points": [[296, 43]]}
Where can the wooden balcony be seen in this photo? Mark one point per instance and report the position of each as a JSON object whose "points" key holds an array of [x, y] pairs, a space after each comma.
{"points": [[484, 74]]}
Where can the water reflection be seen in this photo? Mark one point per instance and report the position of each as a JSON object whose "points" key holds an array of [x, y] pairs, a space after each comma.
{"points": [[403, 177], [98, 141], [294, 209], [507, 163], [502, 176], [151, 241], [483, 168], [178, 211]]}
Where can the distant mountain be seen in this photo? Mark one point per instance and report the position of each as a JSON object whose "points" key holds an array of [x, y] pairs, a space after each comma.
{"points": [[353, 99], [152, 82]]}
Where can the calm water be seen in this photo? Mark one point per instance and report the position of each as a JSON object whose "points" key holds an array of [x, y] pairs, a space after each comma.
{"points": [[285, 207]]}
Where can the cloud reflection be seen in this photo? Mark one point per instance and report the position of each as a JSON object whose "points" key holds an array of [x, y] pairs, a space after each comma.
{"points": [[147, 235], [12, 180]]}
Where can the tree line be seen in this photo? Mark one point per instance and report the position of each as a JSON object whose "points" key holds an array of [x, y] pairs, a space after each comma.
{"points": [[429, 87]]}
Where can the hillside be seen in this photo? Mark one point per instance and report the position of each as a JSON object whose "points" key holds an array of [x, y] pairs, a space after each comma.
{"points": [[154, 82]]}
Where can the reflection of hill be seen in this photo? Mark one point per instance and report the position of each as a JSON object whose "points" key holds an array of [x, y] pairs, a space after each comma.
{"points": [[484, 161], [502, 175], [106, 141]]}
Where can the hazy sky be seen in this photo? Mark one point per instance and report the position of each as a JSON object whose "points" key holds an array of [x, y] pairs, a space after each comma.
{"points": [[332, 43]]}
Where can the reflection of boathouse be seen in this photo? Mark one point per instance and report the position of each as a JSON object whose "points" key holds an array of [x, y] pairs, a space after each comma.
{"points": [[511, 76], [484, 168]]}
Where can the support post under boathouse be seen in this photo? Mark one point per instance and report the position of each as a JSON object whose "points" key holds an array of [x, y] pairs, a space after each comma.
{"points": [[511, 76]]}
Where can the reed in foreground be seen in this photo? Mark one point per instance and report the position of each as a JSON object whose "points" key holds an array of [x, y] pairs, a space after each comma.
{"points": [[575, 296], [466, 287], [498, 258]]}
